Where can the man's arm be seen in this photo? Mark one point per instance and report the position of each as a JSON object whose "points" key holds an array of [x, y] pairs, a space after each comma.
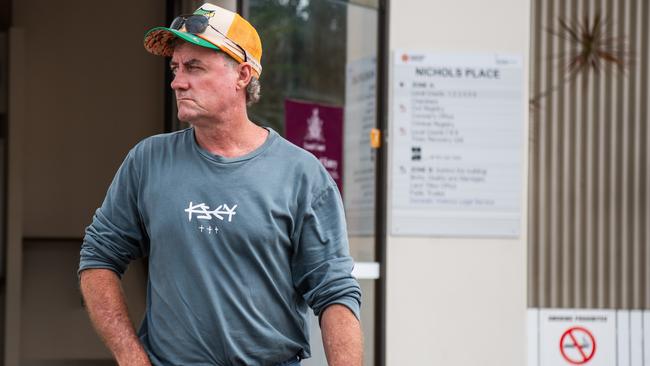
{"points": [[106, 306], [342, 338]]}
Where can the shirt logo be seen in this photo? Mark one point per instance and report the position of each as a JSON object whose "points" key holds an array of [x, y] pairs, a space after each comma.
{"points": [[201, 211]]}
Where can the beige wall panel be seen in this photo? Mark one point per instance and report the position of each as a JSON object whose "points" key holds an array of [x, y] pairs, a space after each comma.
{"points": [[448, 296], [459, 301], [461, 25]]}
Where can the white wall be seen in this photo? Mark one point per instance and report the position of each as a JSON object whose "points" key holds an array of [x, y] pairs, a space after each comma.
{"points": [[453, 301]]}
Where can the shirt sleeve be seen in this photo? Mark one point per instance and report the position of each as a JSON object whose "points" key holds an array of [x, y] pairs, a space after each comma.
{"points": [[116, 235], [321, 264]]}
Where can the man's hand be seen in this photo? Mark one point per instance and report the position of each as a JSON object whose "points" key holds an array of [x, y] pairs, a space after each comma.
{"points": [[108, 312], [342, 336]]}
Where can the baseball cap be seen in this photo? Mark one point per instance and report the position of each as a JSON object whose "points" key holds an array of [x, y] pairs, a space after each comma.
{"points": [[212, 27]]}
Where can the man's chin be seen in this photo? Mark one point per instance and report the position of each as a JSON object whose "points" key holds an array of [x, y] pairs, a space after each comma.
{"points": [[190, 115], [183, 118], [186, 116]]}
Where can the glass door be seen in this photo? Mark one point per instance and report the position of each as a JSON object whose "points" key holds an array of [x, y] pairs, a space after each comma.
{"points": [[319, 92]]}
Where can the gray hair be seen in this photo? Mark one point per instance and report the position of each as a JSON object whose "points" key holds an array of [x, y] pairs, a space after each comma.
{"points": [[252, 89]]}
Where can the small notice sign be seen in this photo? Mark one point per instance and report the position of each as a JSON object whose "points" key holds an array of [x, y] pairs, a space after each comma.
{"points": [[577, 337], [318, 129], [600, 337]]}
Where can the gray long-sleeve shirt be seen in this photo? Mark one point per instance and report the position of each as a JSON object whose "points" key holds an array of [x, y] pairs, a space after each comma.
{"points": [[238, 248]]}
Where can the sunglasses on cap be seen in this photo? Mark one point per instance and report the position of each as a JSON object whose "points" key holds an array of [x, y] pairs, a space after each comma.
{"points": [[197, 24]]}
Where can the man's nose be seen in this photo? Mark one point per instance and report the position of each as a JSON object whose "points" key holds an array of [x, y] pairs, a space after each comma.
{"points": [[179, 82]]}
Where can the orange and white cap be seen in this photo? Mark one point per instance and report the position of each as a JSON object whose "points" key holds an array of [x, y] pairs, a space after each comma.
{"points": [[224, 30]]}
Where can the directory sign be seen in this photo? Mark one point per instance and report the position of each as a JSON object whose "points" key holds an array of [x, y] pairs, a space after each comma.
{"points": [[457, 137]]}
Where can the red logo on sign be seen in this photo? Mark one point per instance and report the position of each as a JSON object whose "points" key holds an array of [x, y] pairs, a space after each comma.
{"points": [[405, 57], [577, 345]]}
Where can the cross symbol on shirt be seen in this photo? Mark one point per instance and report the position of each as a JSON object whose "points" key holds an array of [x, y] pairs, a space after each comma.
{"points": [[209, 229], [201, 228]]}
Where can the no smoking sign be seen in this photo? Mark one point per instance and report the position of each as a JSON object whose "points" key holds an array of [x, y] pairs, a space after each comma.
{"points": [[576, 337], [577, 345]]}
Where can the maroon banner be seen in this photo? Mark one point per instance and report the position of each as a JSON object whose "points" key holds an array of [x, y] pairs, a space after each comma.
{"points": [[318, 129]]}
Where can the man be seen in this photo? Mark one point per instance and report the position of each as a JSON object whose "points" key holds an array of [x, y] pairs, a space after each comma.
{"points": [[243, 230]]}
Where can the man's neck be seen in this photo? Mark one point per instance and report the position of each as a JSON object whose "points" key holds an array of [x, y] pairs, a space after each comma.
{"points": [[231, 138]]}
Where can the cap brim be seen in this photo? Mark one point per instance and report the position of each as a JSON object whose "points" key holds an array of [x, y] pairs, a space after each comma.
{"points": [[160, 41]]}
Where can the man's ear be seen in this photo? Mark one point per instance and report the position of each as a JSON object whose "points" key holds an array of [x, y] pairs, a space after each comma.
{"points": [[244, 75]]}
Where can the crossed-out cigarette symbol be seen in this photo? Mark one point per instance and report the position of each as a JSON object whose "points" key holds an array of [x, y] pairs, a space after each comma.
{"points": [[577, 345]]}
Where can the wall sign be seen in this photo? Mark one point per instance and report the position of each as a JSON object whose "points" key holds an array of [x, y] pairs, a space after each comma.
{"points": [[457, 137], [359, 173], [318, 129], [591, 337]]}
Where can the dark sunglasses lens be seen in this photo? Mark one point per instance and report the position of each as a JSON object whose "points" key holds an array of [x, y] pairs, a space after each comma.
{"points": [[196, 24], [177, 23]]}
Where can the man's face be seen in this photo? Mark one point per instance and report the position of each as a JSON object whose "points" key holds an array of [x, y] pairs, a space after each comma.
{"points": [[205, 83]]}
